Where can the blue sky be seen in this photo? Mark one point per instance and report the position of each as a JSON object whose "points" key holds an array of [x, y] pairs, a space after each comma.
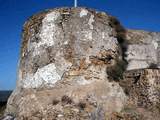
{"points": [[135, 14]]}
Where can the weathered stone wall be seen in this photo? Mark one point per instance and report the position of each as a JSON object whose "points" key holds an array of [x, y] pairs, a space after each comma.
{"points": [[143, 90], [64, 57], [143, 49], [61, 40], [143, 87], [71, 67]]}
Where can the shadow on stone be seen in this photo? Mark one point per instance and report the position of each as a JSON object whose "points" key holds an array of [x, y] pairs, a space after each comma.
{"points": [[116, 72]]}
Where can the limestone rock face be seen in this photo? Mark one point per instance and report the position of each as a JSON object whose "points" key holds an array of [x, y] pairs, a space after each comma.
{"points": [[71, 68], [62, 72], [143, 49]]}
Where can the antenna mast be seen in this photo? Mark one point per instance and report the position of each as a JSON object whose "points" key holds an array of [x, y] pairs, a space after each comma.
{"points": [[75, 3]]}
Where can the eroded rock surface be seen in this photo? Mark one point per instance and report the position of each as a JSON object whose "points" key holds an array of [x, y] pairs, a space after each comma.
{"points": [[66, 52], [143, 89], [71, 65], [143, 49]]}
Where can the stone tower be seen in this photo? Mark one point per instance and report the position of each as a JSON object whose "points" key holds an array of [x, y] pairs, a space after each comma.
{"points": [[71, 62]]}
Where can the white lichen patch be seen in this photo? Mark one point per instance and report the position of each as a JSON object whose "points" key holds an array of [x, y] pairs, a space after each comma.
{"points": [[48, 32], [83, 13], [45, 76], [103, 35], [87, 35], [155, 44], [90, 35], [66, 42], [48, 29], [90, 22]]}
